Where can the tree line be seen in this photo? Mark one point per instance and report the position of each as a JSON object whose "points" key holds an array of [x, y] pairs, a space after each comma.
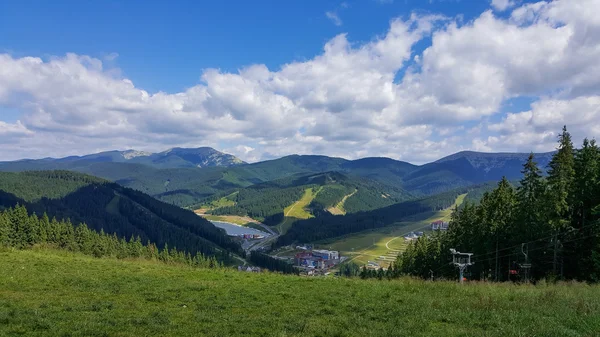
{"points": [[271, 263], [20, 230], [548, 221]]}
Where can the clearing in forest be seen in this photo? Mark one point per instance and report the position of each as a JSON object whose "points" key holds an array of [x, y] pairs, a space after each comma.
{"points": [[297, 210], [339, 208]]}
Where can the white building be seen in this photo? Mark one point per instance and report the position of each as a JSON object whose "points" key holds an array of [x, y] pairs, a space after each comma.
{"points": [[326, 254]]}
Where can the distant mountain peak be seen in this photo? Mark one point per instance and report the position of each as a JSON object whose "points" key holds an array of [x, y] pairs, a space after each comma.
{"points": [[130, 154], [198, 157]]}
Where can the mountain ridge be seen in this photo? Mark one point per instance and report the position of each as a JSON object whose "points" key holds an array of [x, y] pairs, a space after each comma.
{"points": [[174, 176], [176, 157]]}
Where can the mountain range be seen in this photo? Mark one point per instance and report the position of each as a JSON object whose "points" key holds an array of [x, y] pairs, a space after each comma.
{"points": [[172, 158], [185, 177]]}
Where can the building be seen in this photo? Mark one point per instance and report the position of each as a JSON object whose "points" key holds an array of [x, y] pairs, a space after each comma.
{"points": [[317, 259], [249, 269], [439, 225], [411, 236], [326, 254]]}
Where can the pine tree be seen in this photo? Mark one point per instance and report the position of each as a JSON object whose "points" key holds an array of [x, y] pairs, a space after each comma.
{"points": [[18, 218], [44, 228], [531, 219], [164, 254], [5, 230], [54, 231], [561, 177], [585, 198], [530, 201], [560, 181], [83, 239]]}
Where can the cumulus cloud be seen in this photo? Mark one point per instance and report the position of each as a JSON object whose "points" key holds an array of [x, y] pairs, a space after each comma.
{"points": [[502, 5], [346, 101]]}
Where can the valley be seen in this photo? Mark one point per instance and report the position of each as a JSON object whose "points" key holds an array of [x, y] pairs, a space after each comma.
{"points": [[347, 244], [357, 168]]}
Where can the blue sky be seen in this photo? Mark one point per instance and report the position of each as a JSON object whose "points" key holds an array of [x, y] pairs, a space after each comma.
{"points": [[177, 39], [169, 48]]}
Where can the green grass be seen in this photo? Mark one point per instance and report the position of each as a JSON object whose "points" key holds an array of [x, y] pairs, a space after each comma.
{"points": [[223, 202], [238, 220], [387, 241], [338, 209], [49, 293], [297, 210]]}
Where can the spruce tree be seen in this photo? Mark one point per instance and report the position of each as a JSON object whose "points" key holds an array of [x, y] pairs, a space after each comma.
{"points": [[44, 227], [585, 198], [530, 201], [531, 220], [561, 175], [5, 229]]}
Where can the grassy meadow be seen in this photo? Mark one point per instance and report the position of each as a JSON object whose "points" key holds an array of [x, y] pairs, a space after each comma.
{"points": [[297, 210], [53, 293]]}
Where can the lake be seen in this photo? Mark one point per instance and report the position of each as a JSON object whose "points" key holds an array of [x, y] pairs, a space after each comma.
{"points": [[233, 229]]}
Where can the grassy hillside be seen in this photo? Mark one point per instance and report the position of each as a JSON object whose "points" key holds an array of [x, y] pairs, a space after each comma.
{"points": [[298, 210], [386, 242], [47, 293], [110, 207]]}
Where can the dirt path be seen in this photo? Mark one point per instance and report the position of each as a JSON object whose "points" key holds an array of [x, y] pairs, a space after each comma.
{"points": [[338, 209], [291, 209]]}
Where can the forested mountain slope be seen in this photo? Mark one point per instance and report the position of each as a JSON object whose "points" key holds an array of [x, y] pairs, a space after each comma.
{"points": [[113, 208], [329, 226], [466, 168], [546, 227], [266, 201], [164, 177]]}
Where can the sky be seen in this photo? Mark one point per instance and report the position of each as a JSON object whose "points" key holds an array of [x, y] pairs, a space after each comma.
{"points": [[412, 80]]}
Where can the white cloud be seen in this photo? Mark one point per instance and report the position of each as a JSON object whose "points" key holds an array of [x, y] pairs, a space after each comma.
{"points": [[343, 102], [334, 17], [540, 125], [502, 5]]}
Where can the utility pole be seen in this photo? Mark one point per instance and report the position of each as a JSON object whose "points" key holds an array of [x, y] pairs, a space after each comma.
{"points": [[525, 266], [555, 252], [496, 274], [462, 261]]}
